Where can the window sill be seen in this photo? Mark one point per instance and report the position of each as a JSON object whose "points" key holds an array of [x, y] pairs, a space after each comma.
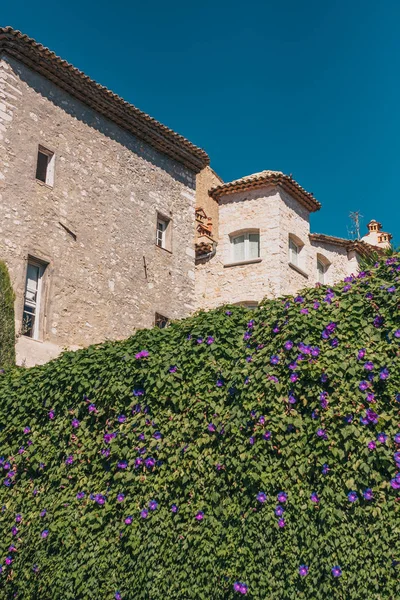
{"points": [[164, 249], [42, 183], [32, 339], [298, 270], [243, 262]]}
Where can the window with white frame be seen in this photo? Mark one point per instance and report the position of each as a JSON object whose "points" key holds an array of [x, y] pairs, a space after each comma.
{"points": [[163, 233], [322, 268], [245, 246], [45, 166], [294, 251], [32, 299]]}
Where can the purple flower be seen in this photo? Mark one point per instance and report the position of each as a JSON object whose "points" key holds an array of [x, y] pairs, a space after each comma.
{"points": [[299, 299], [292, 399], [174, 508], [325, 469], [92, 408], [384, 373], [369, 366], [352, 496], [336, 571], [396, 457], [75, 423], [371, 445], [316, 305], [288, 345], [80, 495], [118, 596], [397, 333], [157, 435], [293, 377], [361, 353], [397, 438], [144, 513], [378, 321], [371, 416], [267, 435], [149, 462], [139, 391], [281, 523], [315, 351], [52, 414], [274, 360], [100, 499], [210, 340], [138, 462], [9, 560], [128, 520], [279, 510], [314, 497], [368, 494], [303, 570], [282, 497], [240, 587], [211, 427], [18, 518], [220, 382], [123, 464], [199, 516], [228, 313], [322, 434], [45, 533], [14, 530], [69, 460], [120, 497], [121, 419], [43, 512], [153, 505], [261, 497], [27, 430], [199, 340], [381, 437], [141, 354]]}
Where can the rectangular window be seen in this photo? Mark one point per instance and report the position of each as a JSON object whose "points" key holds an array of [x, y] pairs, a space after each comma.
{"points": [[321, 268], [293, 253], [45, 166], [161, 321], [33, 289], [163, 233], [245, 247]]}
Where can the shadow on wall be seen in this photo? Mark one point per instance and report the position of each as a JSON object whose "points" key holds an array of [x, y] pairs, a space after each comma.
{"points": [[77, 109]]}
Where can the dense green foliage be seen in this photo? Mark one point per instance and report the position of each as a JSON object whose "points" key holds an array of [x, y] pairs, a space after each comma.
{"points": [[7, 327], [224, 418]]}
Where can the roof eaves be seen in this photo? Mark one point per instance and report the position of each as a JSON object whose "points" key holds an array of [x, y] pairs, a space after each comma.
{"points": [[66, 76]]}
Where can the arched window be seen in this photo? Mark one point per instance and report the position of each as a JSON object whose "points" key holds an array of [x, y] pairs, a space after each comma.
{"points": [[245, 246], [295, 247], [322, 268]]}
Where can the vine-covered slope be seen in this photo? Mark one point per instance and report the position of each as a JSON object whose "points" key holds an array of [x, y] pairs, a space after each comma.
{"points": [[235, 453]]}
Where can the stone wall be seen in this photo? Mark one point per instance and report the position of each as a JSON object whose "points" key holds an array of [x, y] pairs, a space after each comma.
{"points": [[277, 216], [96, 228], [205, 181]]}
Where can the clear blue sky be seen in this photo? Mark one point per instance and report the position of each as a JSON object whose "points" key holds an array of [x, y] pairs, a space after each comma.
{"points": [[310, 88]]}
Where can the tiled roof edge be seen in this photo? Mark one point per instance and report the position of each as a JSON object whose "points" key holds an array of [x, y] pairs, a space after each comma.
{"points": [[99, 98], [252, 182]]}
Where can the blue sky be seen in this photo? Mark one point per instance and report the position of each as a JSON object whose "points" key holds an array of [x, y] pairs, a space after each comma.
{"points": [[309, 88]]}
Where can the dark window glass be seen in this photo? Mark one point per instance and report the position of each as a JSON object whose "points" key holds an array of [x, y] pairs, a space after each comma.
{"points": [[41, 167], [161, 321]]}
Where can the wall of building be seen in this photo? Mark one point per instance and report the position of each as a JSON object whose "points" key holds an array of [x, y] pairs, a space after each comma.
{"points": [[108, 188], [277, 216]]}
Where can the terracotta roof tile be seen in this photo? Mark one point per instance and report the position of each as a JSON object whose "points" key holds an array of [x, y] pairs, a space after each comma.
{"points": [[257, 180], [66, 76]]}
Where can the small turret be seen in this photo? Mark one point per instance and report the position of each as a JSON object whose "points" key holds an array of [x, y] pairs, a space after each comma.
{"points": [[375, 235]]}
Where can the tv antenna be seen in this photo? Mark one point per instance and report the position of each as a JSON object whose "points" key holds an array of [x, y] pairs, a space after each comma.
{"points": [[355, 218]]}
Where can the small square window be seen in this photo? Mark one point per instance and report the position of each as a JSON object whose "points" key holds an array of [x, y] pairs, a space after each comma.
{"points": [[161, 321], [245, 246], [163, 233], [45, 166]]}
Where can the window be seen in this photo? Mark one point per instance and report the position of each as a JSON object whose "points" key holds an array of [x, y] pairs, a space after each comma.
{"points": [[245, 246], [161, 321], [163, 233], [321, 270], [294, 252], [33, 290], [45, 166]]}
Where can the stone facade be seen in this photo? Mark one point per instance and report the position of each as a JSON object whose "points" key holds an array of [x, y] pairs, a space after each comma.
{"points": [[94, 230]]}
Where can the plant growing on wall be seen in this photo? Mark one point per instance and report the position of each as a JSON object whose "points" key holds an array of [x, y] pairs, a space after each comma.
{"points": [[7, 326], [236, 453]]}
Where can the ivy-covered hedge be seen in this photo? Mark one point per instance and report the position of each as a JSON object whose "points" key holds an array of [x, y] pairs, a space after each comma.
{"points": [[7, 326], [234, 453]]}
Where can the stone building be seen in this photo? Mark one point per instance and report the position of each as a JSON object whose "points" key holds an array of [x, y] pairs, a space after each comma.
{"points": [[261, 246], [97, 205]]}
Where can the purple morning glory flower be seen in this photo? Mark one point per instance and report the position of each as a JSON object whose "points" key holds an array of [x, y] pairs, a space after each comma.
{"points": [[322, 434], [368, 494], [149, 462], [211, 427], [199, 516], [128, 520], [8, 560], [27, 430], [138, 392], [381, 437], [14, 530], [174, 508], [144, 513], [228, 313], [303, 570], [282, 497], [69, 460], [45, 533], [293, 377], [18, 518], [281, 523], [384, 373], [396, 457], [142, 354], [121, 419], [361, 353], [314, 497], [279, 510], [267, 435], [363, 385], [43, 512], [138, 462], [378, 321], [92, 408], [123, 464], [120, 497], [118, 596], [157, 435], [199, 340], [369, 366], [261, 497], [210, 340], [352, 496], [153, 505], [292, 399], [52, 414], [75, 423], [372, 416], [80, 495], [397, 438], [397, 333], [274, 360], [336, 571], [288, 345], [371, 445]]}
